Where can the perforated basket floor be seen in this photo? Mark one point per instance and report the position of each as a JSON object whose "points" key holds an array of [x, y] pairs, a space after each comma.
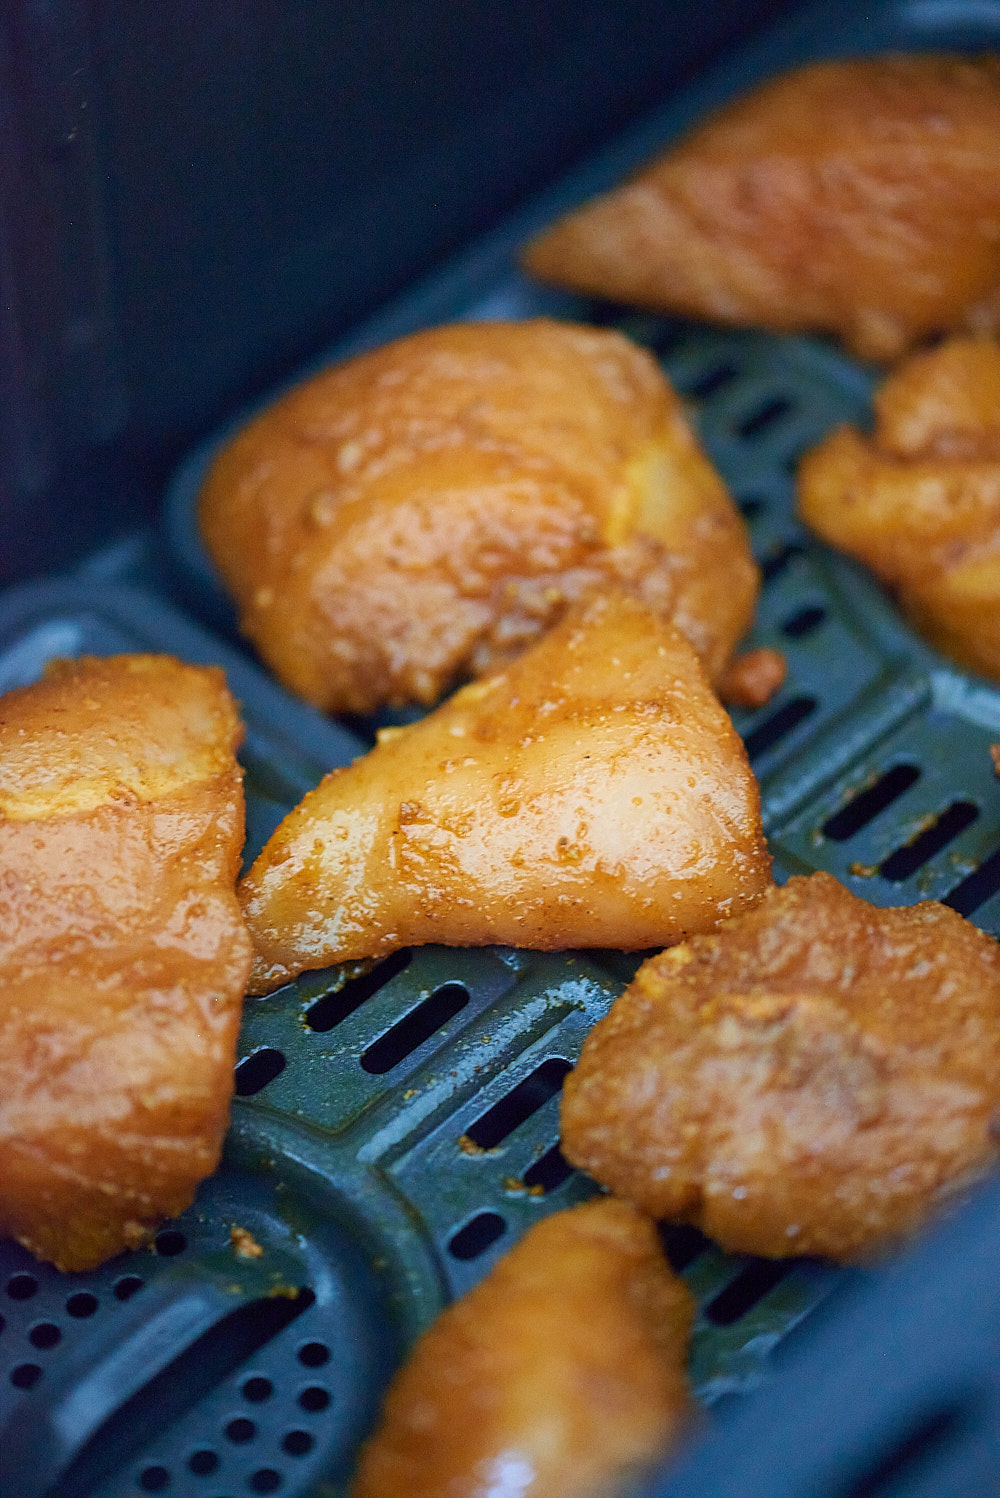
{"points": [[395, 1130]]}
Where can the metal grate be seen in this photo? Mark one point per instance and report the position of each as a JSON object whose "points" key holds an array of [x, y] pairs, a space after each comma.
{"points": [[395, 1127], [422, 1092]]}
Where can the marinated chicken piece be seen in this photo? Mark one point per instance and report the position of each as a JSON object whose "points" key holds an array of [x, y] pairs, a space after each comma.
{"points": [[592, 794], [859, 198], [919, 502], [561, 1375], [815, 1079], [752, 679], [123, 957], [421, 513]]}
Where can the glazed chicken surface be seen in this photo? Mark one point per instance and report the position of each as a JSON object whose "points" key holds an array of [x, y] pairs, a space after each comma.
{"points": [[123, 956], [859, 198], [561, 1375], [593, 793], [814, 1079], [420, 513], [919, 501]]}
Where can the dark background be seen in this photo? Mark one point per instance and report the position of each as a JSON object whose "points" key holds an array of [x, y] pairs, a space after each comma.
{"points": [[193, 196]]}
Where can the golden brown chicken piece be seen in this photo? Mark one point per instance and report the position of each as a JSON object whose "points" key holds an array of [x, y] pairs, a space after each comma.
{"points": [[123, 957], [421, 513], [592, 794], [858, 198], [561, 1375], [813, 1079], [919, 503]]}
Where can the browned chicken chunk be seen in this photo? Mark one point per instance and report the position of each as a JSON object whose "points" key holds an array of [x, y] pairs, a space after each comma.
{"points": [[123, 956], [815, 1078], [561, 1375], [860, 198], [421, 513], [594, 793], [919, 502]]}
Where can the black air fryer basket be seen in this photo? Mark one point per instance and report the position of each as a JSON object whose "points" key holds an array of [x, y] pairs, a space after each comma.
{"points": [[395, 1128]]}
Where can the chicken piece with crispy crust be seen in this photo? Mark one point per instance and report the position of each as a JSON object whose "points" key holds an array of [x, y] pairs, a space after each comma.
{"points": [[919, 502], [815, 1078], [860, 198], [594, 793], [561, 1375], [422, 512], [123, 957]]}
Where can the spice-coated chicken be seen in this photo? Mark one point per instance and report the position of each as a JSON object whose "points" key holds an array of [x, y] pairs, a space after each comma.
{"points": [[594, 793], [421, 513], [815, 1078], [561, 1375], [123, 956], [860, 198], [919, 501]]}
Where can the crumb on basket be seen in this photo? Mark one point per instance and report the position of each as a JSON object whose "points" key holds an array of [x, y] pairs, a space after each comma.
{"points": [[245, 1245], [752, 679]]}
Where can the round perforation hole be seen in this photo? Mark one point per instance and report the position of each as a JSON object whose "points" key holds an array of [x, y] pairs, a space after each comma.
{"points": [[46, 1334], [22, 1286], [314, 1399], [257, 1389], [752, 507], [127, 1286], [265, 1480], [298, 1443], [154, 1479], [314, 1354], [170, 1243], [81, 1305], [240, 1430], [202, 1463], [25, 1375]]}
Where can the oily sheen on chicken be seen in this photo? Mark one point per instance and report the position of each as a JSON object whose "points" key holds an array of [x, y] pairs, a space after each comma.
{"points": [[815, 1078], [561, 1375], [593, 793], [123, 957], [859, 198], [421, 513], [919, 501]]}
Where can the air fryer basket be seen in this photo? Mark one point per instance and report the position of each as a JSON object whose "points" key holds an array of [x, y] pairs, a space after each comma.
{"points": [[395, 1127]]}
